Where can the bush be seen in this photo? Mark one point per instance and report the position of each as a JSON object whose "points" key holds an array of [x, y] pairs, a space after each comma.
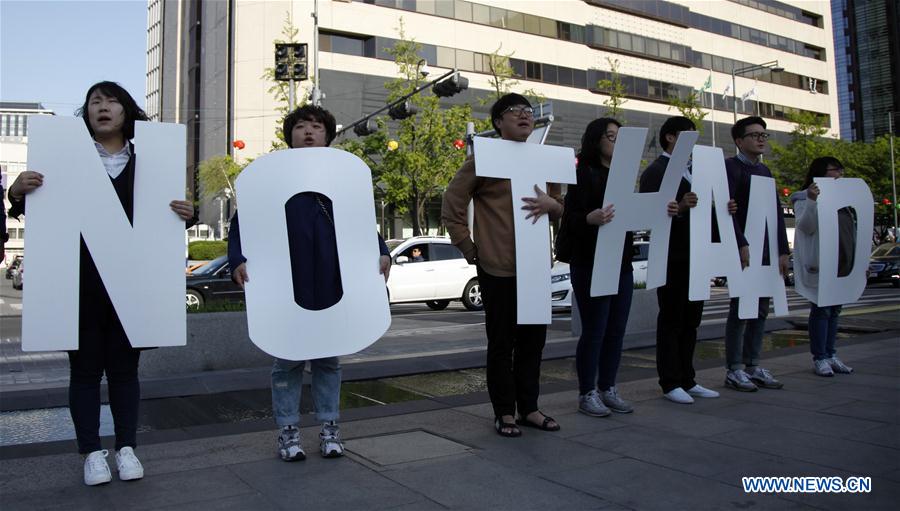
{"points": [[206, 250]]}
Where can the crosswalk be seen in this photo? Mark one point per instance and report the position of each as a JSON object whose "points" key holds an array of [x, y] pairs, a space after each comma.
{"points": [[716, 308]]}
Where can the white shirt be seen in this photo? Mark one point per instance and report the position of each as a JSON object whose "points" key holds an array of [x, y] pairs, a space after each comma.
{"points": [[114, 163]]}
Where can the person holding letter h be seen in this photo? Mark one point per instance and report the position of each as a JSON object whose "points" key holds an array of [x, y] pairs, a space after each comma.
{"points": [[109, 113], [514, 350], [743, 337], [316, 279]]}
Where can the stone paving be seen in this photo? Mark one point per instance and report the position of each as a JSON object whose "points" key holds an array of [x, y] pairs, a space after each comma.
{"points": [[442, 453]]}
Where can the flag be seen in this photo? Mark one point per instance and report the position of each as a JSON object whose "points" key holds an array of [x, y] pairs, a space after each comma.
{"points": [[726, 91], [749, 94], [707, 85]]}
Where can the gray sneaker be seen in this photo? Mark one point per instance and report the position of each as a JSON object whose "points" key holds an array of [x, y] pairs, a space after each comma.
{"points": [[591, 404], [839, 367], [330, 440], [738, 380], [289, 447], [823, 367], [763, 378], [615, 403]]}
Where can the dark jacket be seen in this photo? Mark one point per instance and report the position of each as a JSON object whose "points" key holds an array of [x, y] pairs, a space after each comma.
{"points": [[315, 273], [739, 174], [680, 234], [582, 198]]}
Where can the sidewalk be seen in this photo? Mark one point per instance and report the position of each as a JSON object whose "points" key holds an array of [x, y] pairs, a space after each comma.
{"points": [[442, 453]]}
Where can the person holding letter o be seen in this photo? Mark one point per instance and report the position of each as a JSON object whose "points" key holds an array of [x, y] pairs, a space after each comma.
{"points": [[823, 321], [109, 113], [316, 277], [603, 318], [514, 350]]}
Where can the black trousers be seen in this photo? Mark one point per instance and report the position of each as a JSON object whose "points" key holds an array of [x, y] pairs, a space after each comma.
{"points": [[676, 332], [514, 351], [103, 348]]}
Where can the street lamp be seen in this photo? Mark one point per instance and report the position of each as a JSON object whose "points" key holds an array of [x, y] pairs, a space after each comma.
{"points": [[893, 168], [748, 69]]}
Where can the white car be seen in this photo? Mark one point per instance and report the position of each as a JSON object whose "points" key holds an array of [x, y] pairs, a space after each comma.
{"points": [[561, 280], [436, 274]]}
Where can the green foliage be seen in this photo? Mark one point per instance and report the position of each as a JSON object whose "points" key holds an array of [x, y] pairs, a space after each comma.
{"points": [[206, 250], [615, 89], [281, 90], [425, 161], [691, 108], [218, 174]]}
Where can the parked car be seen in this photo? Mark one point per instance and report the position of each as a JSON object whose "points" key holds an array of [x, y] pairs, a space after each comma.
{"points": [[438, 275], [19, 275], [884, 265], [561, 283], [13, 265], [212, 283]]}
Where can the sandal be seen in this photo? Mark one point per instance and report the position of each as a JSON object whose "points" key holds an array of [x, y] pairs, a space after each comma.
{"points": [[512, 430], [522, 421]]}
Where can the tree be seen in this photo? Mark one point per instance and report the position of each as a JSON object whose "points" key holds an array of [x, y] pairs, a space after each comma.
{"points": [[218, 174], [691, 108], [502, 80], [425, 158], [615, 89], [280, 90]]}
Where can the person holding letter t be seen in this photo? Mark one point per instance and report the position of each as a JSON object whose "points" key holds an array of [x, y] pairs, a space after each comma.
{"points": [[743, 337], [823, 321], [109, 113], [514, 350], [679, 317], [603, 318], [316, 279]]}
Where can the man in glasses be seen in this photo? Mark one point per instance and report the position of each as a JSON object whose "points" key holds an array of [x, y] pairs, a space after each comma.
{"points": [[514, 350], [743, 338]]}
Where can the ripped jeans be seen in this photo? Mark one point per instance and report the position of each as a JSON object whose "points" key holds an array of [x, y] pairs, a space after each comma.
{"points": [[287, 385]]}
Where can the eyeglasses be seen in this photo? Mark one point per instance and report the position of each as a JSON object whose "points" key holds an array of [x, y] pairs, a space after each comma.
{"points": [[519, 111], [758, 135], [611, 135], [839, 170]]}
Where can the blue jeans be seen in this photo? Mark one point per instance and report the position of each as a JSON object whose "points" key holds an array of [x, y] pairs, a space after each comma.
{"points": [[603, 321], [287, 383], [823, 323], [743, 337]]}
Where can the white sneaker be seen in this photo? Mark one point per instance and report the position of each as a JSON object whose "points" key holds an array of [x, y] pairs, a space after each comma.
{"points": [[678, 395], [330, 440], [129, 467], [698, 391], [838, 366], [823, 367], [96, 470]]}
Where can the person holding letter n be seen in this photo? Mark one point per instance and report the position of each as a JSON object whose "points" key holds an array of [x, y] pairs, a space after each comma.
{"points": [[316, 279], [109, 113]]}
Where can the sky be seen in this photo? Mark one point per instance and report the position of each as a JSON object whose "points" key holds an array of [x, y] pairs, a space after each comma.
{"points": [[51, 52]]}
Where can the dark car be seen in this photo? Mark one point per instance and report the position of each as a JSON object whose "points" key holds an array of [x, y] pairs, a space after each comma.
{"points": [[211, 283], [884, 266], [11, 269]]}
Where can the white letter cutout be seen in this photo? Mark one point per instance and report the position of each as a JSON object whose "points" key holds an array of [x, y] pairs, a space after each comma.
{"points": [[637, 210], [142, 266], [527, 165], [758, 281], [710, 259], [276, 323], [834, 195]]}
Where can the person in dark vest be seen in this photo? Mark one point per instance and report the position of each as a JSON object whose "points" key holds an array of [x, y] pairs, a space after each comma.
{"points": [[109, 113], [316, 276]]}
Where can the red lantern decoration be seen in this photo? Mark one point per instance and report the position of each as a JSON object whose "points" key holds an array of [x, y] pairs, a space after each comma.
{"points": [[458, 143], [886, 201], [238, 144], [785, 192]]}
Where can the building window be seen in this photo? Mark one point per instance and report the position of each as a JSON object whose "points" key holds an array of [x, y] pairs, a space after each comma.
{"points": [[533, 71]]}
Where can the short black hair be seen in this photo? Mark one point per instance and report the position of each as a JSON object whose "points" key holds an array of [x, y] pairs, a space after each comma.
{"points": [[113, 90], [740, 127], [506, 101], [819, 167], [309, 113], [589, 154], [674, 126]]}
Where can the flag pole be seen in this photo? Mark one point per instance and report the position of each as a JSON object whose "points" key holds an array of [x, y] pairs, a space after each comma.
{"points": [[712, 106]]}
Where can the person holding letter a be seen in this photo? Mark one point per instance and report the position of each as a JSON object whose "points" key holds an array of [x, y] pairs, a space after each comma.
{"points": [[743, 338], [514, 350], [823, 321], [679, 317], [603, 318], [316, 279], [109, 113]]}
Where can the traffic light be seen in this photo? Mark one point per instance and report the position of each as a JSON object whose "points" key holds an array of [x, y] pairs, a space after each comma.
{"points": [[290, 62], [364, 129], [452, 85], [402, 111]]}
